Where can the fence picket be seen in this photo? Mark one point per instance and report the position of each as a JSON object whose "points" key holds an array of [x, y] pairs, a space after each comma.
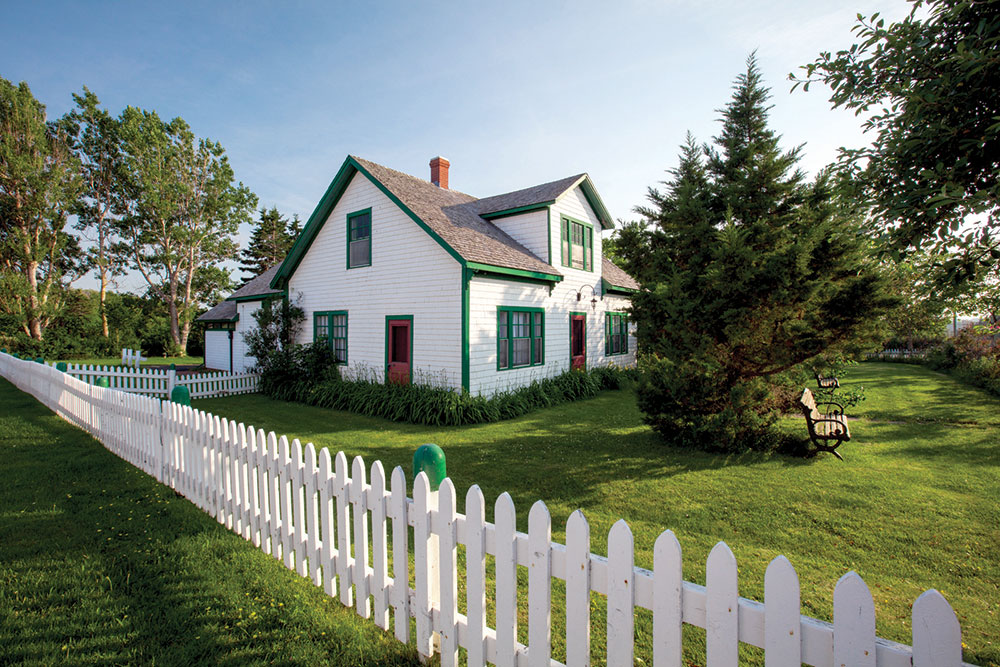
{"points": [[937, 636], [326, 510], [668, 592], [475, 576], [301, 525], [853, 622], [274, 495], [721, 608], [539, 585], [340, 489], [421, 564], [312, 515], [380, 556], [359, 508], [577, 590], [621, 596], [256, 441], [506, 580], [782, 615], [285, 498], [447, 534], [400, 556]]}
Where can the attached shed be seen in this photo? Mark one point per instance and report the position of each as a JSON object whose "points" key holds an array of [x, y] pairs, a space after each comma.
{"points": [[226, 324], [220, 325]]}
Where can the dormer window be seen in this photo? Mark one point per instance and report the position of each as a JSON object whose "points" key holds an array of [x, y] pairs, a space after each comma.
{"points": [[577, 244]]}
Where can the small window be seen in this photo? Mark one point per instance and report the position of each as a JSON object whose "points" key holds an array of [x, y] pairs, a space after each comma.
{"points": [[616, 334], [520, 337], [577, 245], [359, 239], [331, 328]]}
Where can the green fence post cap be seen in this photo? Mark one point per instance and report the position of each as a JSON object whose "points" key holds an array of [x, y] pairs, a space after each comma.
{"points": [[430, 459], [173, 367], [181, 395], [4, 350], [39, 360], [102, 382], [17, 356], [62, 366]]}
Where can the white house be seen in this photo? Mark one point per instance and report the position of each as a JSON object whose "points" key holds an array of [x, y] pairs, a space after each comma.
{"points": [[407, 279]]}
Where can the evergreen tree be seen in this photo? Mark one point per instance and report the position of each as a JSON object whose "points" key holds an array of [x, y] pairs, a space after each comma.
{"points": [[746, 272], [271, 240]]}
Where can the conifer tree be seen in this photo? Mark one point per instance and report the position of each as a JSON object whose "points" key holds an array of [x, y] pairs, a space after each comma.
{"points": [[746, 271], [271, 240]]}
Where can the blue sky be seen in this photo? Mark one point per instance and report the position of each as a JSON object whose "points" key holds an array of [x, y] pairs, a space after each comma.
{"points": [[513, 93]]}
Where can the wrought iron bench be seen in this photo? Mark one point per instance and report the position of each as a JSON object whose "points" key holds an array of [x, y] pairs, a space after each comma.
{"points": [[826, 431], [824, 382]]}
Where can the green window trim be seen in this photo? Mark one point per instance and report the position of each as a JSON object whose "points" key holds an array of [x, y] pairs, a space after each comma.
{"points": [[359, 231], [331, 326], [576, 234], [615, 334], [515, 326]]}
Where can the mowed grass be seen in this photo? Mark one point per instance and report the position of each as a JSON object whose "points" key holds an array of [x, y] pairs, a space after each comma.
{"points": [[101, 565], [153, 361], [914, 506]]}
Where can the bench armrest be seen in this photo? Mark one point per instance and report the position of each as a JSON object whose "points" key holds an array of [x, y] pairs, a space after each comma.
{"points": [[831, 403]]}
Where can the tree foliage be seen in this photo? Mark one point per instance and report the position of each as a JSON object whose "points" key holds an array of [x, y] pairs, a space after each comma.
{"points": [[747, 270], [181, 213], [39, 182], [927, 86], [97, 147], [272, 238]]}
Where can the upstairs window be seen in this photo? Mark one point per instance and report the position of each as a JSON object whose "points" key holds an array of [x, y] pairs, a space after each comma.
{"points": [[616, 334], [359, 239], [577, 244], [520, 337], [331, 328]]}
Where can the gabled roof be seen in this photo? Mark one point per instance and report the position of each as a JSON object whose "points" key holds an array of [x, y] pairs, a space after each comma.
{"points": [[615, 279], [457, 221], [224, 311], [258, 287]]}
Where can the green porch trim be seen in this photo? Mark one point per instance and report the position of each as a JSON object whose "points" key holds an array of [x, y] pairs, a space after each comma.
{"points": [[504, 272], [517, 210], [385, 378], [466, 322], [608, 288]]}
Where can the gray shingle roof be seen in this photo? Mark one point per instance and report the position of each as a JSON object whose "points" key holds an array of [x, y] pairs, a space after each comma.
{"points": [[453, 217], [225, 311], [616, 276], [259, 286], [537, 194]]}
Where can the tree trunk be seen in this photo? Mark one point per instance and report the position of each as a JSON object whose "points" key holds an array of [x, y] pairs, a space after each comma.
{"points": [[104, 312]]}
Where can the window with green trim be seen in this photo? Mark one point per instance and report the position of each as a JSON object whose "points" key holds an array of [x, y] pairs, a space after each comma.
{"points": [[520, 337], [359, 239], [616, 334], [331, 327], [577, 244]]}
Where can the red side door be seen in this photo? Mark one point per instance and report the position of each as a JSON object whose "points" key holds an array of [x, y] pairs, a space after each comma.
{"points": [[398, 354], [578, 342]]}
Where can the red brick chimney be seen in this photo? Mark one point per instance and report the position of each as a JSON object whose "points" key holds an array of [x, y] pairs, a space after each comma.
{"points": [[439, 172]]}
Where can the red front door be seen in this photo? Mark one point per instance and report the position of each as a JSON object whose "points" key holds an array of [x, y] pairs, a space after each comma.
{"points": [[578, 342], [398, 352]]}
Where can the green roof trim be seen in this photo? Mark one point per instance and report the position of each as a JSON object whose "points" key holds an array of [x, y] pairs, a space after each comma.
{"points": [[596, 203], [516, 211], [615, 289], [325, 207], [504, 272], [257, 297], [234, 318]]}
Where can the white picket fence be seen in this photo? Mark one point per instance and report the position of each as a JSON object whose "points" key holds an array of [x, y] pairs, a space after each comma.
{"points": [[314, 512], [160, 382], [132, 358], [896, 354]]}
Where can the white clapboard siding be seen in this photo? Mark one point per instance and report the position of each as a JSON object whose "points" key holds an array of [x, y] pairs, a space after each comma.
{"points": [[302, 507]]}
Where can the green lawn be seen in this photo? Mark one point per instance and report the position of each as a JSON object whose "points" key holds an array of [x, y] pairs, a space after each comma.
{"points": [[914, 505], [101, 565], [154, 361]]}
